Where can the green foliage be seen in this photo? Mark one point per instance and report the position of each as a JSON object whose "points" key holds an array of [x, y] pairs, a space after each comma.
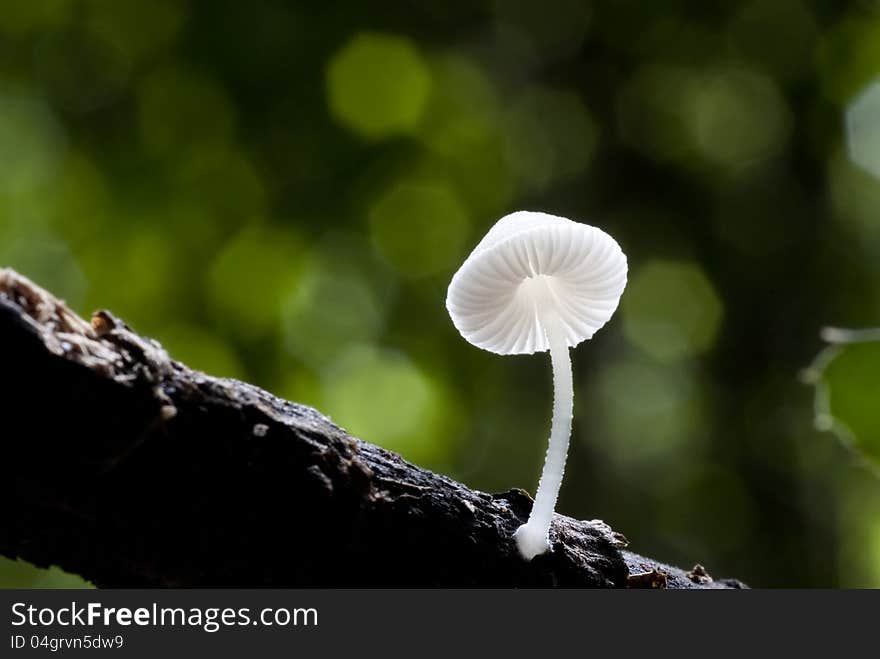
{"points": [[378, 84], [18, 574], [280, 192], [846, 376]]}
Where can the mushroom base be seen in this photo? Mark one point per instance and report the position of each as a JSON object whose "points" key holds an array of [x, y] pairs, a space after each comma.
{"points": [[531, 541]]}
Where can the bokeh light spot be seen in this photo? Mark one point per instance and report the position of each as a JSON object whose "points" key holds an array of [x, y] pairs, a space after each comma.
{"points": [[550, 138], [863, 129], [462, 109], [383, 397], [727, 117], [251, 277], [649, 411], [378, 85], [738, 117], [671, 310], [115, 263], [339, 300], [462, 129], [419, 228]]}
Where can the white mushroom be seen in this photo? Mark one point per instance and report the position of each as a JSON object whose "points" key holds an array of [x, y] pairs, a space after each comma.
{"points": [[538, 282]]}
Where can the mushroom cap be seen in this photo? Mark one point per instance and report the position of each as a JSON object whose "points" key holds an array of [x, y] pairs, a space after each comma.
{"points": [[530, 265]]}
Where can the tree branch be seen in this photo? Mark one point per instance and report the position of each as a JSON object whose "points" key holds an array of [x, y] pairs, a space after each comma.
{"points": [[132, 470]]}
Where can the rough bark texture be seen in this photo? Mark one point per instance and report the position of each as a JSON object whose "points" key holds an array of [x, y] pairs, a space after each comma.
{"points": [[132, 470]]}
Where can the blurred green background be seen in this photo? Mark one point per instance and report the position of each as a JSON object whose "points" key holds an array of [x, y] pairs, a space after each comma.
{"points": [[281, 191]]}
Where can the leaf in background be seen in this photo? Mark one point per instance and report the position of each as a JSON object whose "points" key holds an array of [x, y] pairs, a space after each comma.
{"points": [[847, 379]]}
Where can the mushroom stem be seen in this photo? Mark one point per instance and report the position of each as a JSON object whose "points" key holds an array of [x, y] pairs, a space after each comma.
{"points": [[533, 537]]}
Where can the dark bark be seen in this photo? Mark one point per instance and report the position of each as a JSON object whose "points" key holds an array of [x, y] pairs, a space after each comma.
{"points": [[132, 470]]}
